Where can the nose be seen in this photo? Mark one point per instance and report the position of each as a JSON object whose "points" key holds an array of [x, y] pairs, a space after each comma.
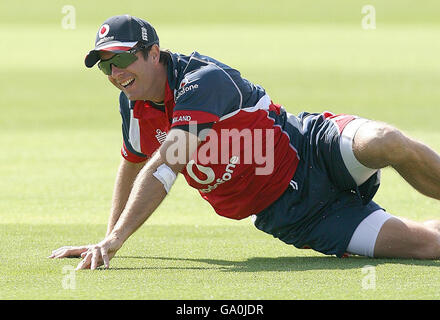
{"points": [[116, 71]]}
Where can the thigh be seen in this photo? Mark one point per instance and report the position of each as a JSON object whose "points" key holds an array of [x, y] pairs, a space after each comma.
{"points": [[335, 150], [303, 224], [364, 237], [358, 171], [335, 230], [403, 238]]}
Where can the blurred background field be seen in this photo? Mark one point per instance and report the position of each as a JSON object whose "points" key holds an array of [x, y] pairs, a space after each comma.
{"points": [[60, 139]]}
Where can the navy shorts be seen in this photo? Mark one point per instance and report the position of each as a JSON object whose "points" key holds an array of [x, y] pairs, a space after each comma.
{"points": [[322, 207]]}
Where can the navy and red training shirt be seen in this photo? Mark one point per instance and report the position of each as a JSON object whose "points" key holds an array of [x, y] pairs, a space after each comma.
{"points": [[246, 159]]}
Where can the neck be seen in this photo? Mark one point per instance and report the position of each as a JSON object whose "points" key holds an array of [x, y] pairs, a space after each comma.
{"points": [[161, 78]]}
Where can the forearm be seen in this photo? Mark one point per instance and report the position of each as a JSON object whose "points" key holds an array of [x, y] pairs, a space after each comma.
{"points": [[146, 195], [148, 191], [125, 178]]}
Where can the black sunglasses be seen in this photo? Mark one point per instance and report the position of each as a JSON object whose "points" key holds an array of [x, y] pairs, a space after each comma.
{"points": [[121, 60]]}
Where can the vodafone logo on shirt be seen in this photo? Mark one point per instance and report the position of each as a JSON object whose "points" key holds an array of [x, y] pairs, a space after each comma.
{"points": [[207, 171], [184, 89], [210, 175]]}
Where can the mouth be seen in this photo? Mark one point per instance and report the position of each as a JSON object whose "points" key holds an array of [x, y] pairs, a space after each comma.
{"points": [[127, 83]]}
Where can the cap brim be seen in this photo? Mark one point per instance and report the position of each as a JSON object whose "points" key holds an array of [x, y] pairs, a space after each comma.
{"points": [[113, 46]]}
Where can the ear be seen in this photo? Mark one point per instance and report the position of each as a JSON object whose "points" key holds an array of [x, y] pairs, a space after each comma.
{"points": [[155, 53]]}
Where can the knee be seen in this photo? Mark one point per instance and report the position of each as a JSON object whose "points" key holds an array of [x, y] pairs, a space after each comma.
{"points": [[383, 144], [394, 144], [427, 250], [424, 242], [402, 238]]}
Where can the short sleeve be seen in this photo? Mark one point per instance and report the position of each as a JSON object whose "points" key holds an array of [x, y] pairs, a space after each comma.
{"points": [[127, 151], [130, 156], [204, 96]]}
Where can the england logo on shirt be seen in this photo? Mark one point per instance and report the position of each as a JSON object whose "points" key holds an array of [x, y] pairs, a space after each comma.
{"points": [[160, 136]]}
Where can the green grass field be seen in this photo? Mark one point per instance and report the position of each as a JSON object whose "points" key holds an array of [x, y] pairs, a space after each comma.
{"points": [[60, 140]]}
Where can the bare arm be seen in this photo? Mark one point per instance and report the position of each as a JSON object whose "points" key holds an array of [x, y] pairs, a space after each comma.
{"points": [[146, 195], [125, 177]]}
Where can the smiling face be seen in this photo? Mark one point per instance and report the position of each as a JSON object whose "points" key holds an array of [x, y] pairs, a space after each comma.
{"points": [[144, 79]]}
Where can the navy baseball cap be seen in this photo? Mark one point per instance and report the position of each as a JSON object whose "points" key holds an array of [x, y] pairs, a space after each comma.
{"points": [[121, 33]]}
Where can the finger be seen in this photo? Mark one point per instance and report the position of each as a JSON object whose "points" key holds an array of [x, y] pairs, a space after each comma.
{"points": [[58, 251], [85, 263], [61, 254], [105, 258], [68, 251], [96, 258]]}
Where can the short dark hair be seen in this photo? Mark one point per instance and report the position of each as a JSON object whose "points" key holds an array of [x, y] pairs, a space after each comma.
{"points": [[164, 55]]}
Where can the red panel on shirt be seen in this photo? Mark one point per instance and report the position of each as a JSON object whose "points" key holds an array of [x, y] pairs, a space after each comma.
{"points": [[228, 181], [184, 117]]}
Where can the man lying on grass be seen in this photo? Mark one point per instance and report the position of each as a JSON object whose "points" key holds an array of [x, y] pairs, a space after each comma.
{"points": [[308, 180]]}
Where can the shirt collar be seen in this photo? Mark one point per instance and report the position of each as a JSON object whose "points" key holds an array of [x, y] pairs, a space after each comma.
{"points": [[172, 70]]}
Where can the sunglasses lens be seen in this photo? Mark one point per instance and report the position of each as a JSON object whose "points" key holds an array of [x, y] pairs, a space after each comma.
{"points": [[121, 60], [105, 67]]}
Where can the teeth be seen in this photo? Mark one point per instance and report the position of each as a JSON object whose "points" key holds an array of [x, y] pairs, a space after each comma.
{"points": [[127, 82]]}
